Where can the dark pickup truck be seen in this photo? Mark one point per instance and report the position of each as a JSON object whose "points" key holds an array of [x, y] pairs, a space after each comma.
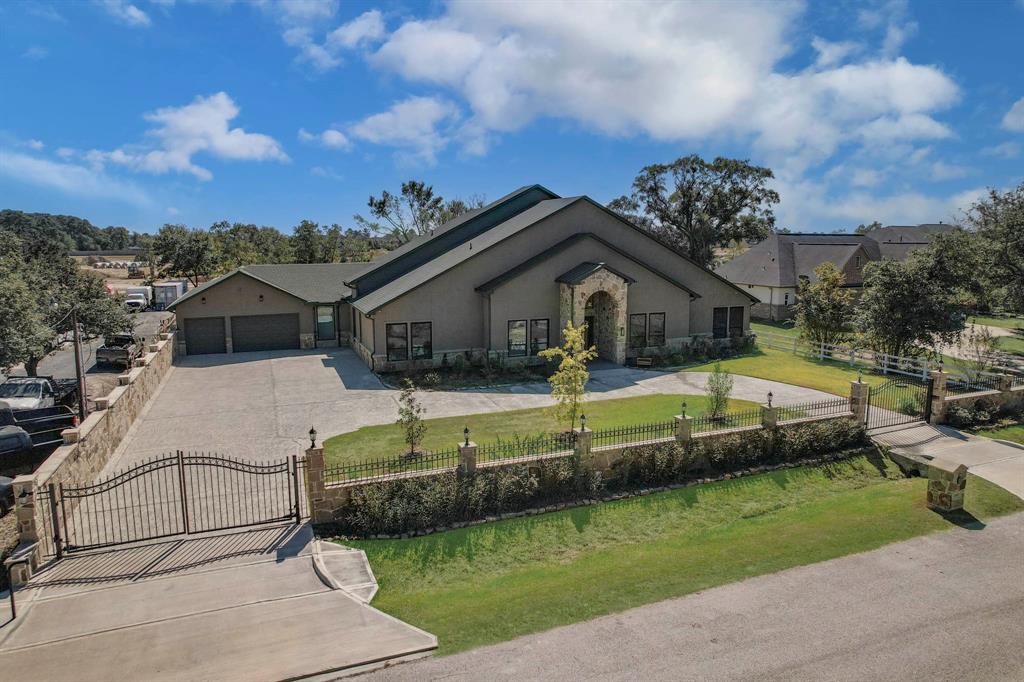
{"points": [[27, 437], [121, 349]]}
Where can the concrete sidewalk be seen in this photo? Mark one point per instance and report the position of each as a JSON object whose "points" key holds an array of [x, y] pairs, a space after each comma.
{"points": [[998, 462], [240, 606], [947, 606]]}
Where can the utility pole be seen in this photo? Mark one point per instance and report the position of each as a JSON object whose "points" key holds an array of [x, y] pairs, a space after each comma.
{"points": [[83, 399]]}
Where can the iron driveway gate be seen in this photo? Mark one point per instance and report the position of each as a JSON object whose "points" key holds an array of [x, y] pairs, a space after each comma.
{"points": [[904, 400], [176, 495]]}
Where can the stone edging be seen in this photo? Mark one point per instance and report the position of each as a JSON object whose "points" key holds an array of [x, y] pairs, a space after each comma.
{"points": [[612, 497]]}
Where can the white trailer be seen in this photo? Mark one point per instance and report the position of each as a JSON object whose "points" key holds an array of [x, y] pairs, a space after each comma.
{"points": [[166, 293]]}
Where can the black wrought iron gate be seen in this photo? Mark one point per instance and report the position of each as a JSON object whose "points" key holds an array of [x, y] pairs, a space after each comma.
{"points": [[903, 400], [175, 495]]}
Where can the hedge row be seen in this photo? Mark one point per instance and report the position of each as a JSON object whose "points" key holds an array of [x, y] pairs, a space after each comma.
{"points": [[415, 504]]}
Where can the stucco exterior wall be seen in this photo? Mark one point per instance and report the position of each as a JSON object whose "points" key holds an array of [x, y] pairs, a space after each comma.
{"points": [[240, 295], [460, 317]]}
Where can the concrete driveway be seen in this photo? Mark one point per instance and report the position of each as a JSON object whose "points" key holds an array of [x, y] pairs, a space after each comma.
{"points": [[260, 406], [240, 606]]}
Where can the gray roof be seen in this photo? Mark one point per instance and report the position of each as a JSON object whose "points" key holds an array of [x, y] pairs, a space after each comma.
{"points": [[781, 259], [310, 282], [460, 253], [586, 269]]}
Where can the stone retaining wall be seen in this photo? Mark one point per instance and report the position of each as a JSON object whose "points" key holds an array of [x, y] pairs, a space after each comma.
{"points": [[88, 447]]}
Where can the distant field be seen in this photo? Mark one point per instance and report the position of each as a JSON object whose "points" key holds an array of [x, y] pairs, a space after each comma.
{"points": [[1004, 322]]}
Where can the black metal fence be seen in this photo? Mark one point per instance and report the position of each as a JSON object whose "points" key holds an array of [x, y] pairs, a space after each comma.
{"points": [[440, 459], [964, 383], [728, 420], [818, 408], [546, 444], [633, 433]]}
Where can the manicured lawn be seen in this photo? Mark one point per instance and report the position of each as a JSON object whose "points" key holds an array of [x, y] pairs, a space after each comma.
{"points": [[779, 365], [1014, 433], [386, 440], [1011, 344], [781, 328], [493, 582], [1004, 322]]}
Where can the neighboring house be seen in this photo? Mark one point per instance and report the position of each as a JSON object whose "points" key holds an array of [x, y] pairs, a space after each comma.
{"points": [[772, 269], [502, 280]]}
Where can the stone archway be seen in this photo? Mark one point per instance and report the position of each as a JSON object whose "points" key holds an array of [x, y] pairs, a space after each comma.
{"points": [[602, 295]]}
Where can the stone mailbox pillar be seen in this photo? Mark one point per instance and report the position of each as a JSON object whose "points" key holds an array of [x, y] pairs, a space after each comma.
{"points": [[946, 484], [769, 416], [315, 494], [859, 392], [467, 457]]}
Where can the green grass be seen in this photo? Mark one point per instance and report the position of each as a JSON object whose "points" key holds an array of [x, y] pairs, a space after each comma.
{"points": [[493, 582], [1004, 322], [779, 365], [1011, 344], [386, 440], [1014, 432], [780, 328]]}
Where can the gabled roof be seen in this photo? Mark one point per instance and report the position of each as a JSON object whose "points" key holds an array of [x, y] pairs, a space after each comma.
{"points": [[530, 263], [579, 273], [308, 282]]}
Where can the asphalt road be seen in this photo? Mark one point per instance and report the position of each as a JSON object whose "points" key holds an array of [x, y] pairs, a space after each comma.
{"points": [[948, 606]]}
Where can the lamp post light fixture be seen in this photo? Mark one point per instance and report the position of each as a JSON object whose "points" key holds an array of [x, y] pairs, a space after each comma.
{"points": [[583, 423], [465, 432], [769, 398], [682, 409], [860, 379], [312, 437]]}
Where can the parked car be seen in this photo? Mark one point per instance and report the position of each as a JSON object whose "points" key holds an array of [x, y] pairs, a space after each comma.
{"points": [[135, 302], [27, 437], [31, 393], [6, 494], [121, 349]]}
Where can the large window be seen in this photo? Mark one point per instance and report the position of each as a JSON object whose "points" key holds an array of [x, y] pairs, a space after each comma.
{"points": [[539, 336], [325, 322], [656, 329], [422, 341], [736, 321], [516, 338], [397, 341], [720, 323], [638, 330]]}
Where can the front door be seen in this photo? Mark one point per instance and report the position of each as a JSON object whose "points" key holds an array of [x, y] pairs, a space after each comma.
{"points": [[589, 321]]}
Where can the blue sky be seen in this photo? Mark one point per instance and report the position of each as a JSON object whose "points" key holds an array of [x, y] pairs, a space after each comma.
{"points": [[143, 112]]}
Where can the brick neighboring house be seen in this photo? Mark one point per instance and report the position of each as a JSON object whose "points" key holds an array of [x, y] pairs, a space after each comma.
{"points": [[502, 280], [771, 270]]}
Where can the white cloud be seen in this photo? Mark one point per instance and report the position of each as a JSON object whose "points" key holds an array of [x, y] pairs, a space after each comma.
{"points": [[419, 127], [1014, 118], [172, 211], [65, 152], [673, 72], [940, 170], [69, 178], [331, 138], [182, 132], [367, 27], [866, 177], [125, 12], [326, 172], [832, 53], [45, 12], [1005, 150], [35, 53], [34, 144]]}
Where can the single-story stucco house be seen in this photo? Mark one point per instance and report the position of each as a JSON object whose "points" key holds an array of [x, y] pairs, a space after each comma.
{"points": [[502, 280], [772, 269]]}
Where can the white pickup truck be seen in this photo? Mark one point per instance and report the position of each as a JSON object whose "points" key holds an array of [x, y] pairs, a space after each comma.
{"points": [[32, 393]]}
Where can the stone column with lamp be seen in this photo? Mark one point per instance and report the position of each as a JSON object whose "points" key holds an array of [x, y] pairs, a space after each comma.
{"points": [[684, 425], [939, 391], [859, 393], [584, 438], [467, 454], [769, 414], [315, 494]]}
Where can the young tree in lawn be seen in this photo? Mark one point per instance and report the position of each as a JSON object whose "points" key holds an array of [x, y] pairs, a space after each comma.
{"points": [[978, 349], [569, 381], [697, 206], [410, 417], [718, 389], [824, 308], [184, 252]]}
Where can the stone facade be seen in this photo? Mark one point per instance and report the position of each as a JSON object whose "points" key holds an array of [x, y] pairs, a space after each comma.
{"points": [[88, 447], [609, 307], [767, 311], [946, 485]]}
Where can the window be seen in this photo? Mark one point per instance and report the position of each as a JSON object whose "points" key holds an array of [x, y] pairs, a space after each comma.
{"points": [[638, 330], [539, 338], [516, 338], [720, 323], [397, 341], [785, 299], [656, 329], [355, 323], [325, 322], [736, 321], [857, 261], [422, 341]]}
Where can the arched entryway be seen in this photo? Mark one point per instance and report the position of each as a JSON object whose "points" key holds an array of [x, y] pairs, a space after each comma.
{"points": [[600, 315]]}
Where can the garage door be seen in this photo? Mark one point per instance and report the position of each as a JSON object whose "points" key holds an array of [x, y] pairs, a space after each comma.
{"points": [[204, 335], [264, 332]]}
